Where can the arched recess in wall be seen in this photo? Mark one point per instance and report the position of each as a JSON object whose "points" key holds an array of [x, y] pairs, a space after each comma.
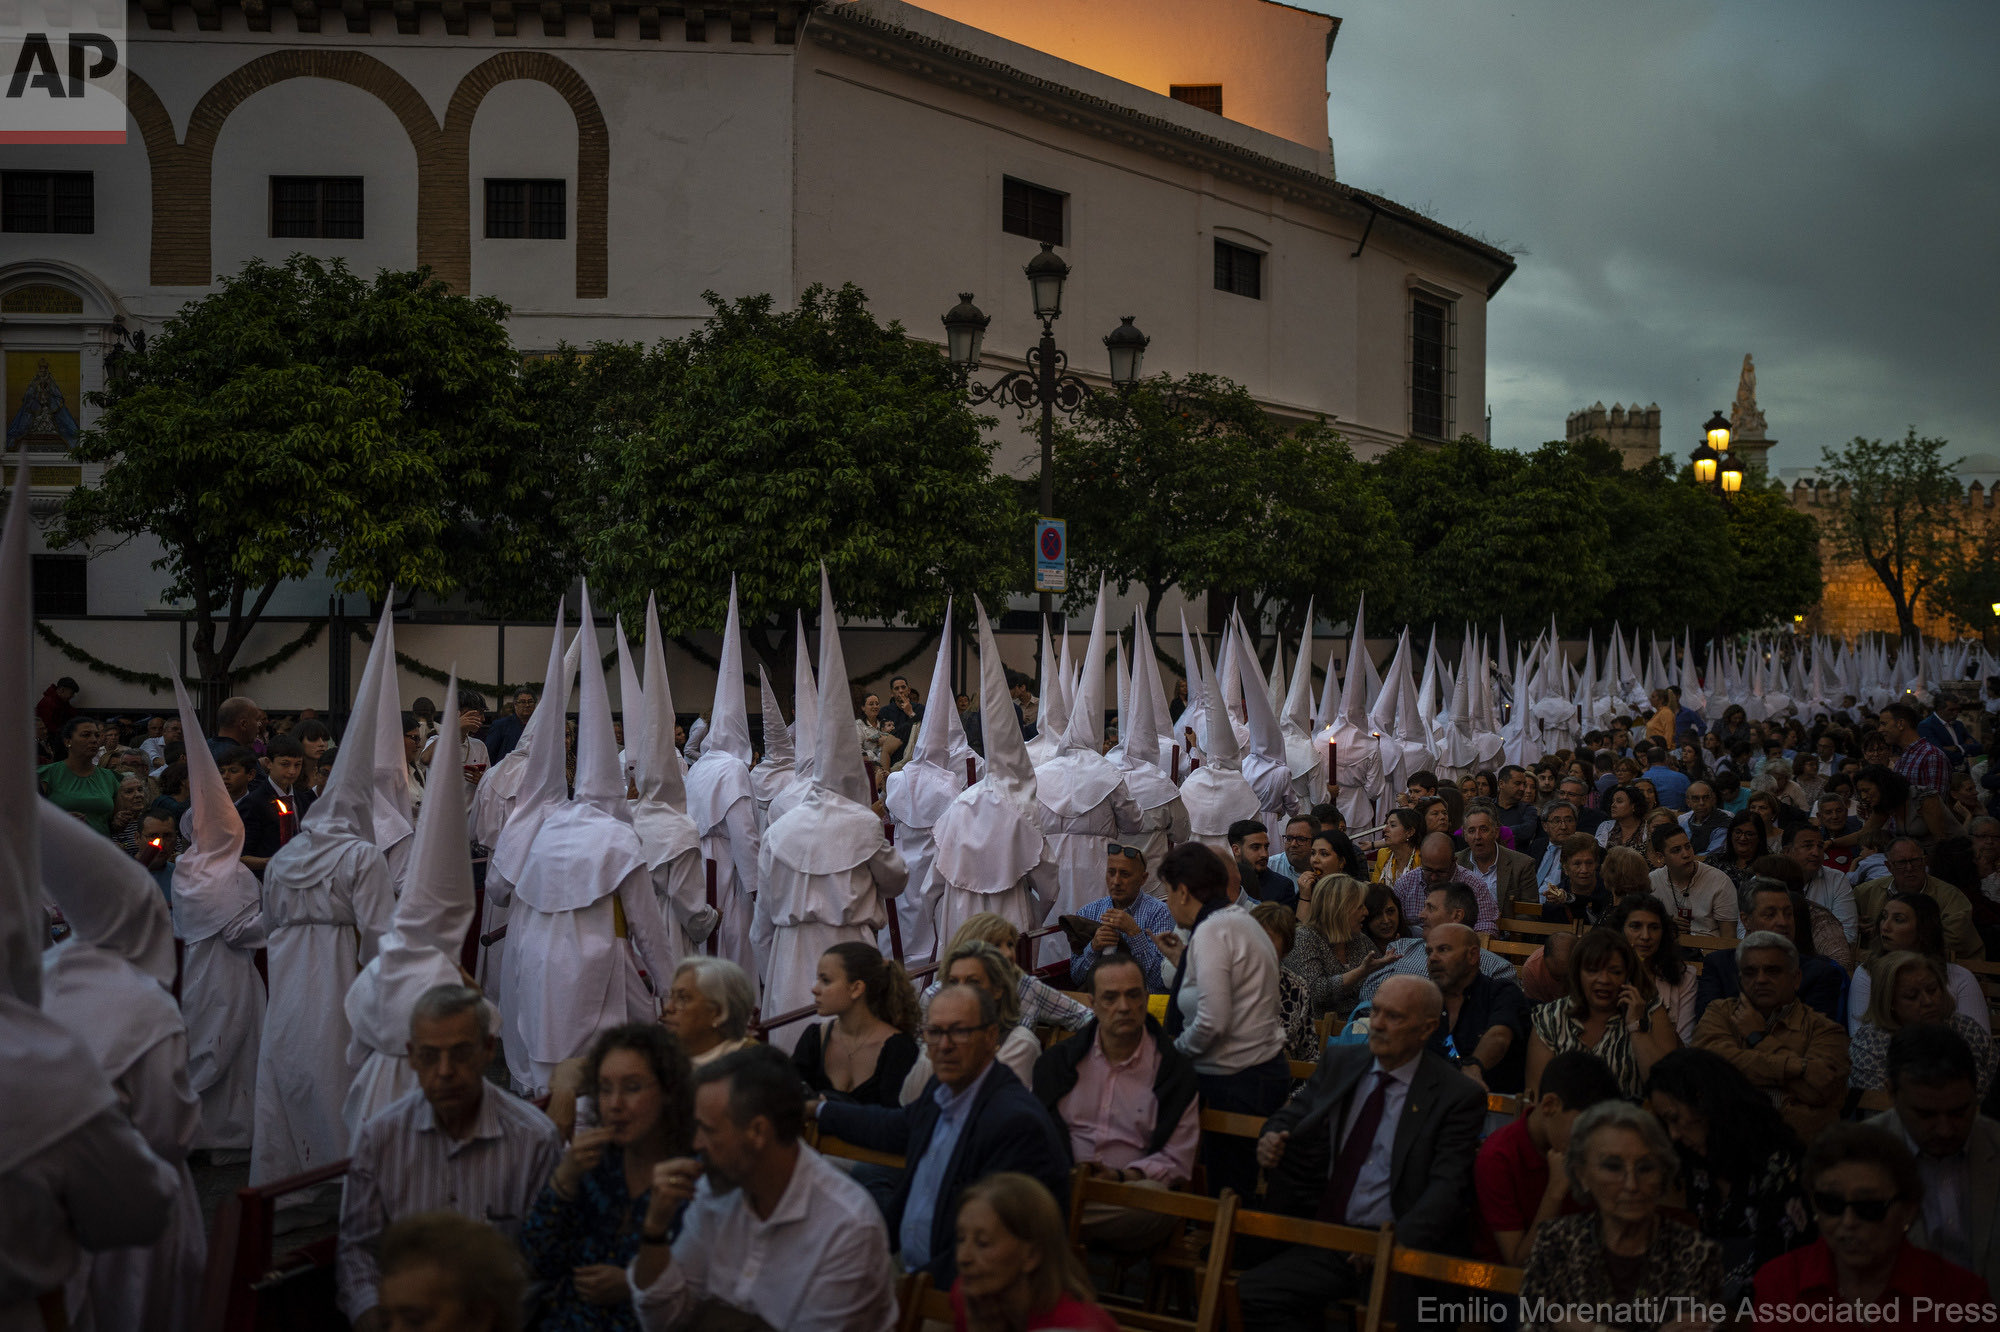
{"points": [[593, 167], [181, 189]]}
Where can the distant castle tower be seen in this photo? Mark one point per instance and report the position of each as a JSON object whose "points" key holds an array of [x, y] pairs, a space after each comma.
{"points": [[1747, 438], [1633, 431]]}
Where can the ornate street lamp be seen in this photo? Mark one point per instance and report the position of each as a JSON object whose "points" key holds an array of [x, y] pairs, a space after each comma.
{"points": [[1732, 476], [1704, 460], [1046, 383], [1718, 432]]}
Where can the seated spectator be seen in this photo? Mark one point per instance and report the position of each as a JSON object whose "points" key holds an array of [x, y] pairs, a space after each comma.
{"points": [[1705, 822], [455, 1143], [1040, 1005], [1770, 909], [1747, 838], [1223, 1013], [1909, 990], [1625, 809], [1558, 826], [1484, 1030], [1622, 1160], [1397, 854], [973, 1119], [985, 968], [1545, 975], [1935, 1113], [1384, 925], [1250, 843], [1508, 875], [1436, 868], [1385, 1131], [1642, 918], [1605, 1013], [1333, 924], [1448, 904], [445, 1272], [1297, 853], [771, 1230], [1819, 933], [708, 1008], [76, 784], [1913, 924], [1015, 1271], [585, 1227], [1127, 917], [1519, 1178], [870, 1045], [1295, 1008], [1701, 897], [1739, 1162], [1127, 1099], [1825, 886], [1579, 892], [1866, 1195], [1786, 1049]]}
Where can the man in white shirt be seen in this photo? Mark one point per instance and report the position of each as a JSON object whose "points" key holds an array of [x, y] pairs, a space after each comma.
{"points": [[772, 1228], [155, 746], [1558, 825], [1701, 896], [1826, 887], [455, 1145]]}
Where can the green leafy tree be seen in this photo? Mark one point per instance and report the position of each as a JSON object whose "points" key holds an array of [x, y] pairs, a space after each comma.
{"points": [[1970, 588], [778, 439], [303, 419], [1901, 513], [1189, 483], [1777, 573]]}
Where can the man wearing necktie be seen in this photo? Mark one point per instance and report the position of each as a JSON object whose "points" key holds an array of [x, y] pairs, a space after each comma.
{"points": [[1383, 1132]]}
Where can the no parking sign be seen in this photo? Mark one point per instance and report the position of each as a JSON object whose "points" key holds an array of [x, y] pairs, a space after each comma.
{"points": [[1051, 555]]}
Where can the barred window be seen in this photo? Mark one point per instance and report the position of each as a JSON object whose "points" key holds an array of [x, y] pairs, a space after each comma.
{"points": [[325, 207], [1430, 346], [1031, 211], [1239, 271], [1207, 96], [526, 209], [48, 201]]}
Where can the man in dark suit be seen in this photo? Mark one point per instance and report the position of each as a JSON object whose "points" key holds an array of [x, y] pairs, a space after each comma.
{"points": [[1822, 982], [972, 1120], [275, 803], [1382, 1132], [1510, 874]]}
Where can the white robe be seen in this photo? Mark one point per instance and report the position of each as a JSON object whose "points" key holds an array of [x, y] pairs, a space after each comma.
{"points": [[1161, 828], [680, 886], [723, 806], [324, 915], [806, 908], [377, 1008], [132, 1028], [991, 856], [222, 1000], [916, 796]]}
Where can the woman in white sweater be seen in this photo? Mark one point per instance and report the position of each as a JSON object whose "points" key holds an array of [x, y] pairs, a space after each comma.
{"points": [[1223, 1013]]}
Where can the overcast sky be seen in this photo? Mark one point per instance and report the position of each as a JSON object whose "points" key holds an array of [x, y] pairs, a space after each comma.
{"points": [[1815, 183]]}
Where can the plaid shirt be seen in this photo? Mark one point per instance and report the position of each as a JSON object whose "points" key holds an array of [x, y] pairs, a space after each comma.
{"points": [[1039, 1004], [1925, 767]]}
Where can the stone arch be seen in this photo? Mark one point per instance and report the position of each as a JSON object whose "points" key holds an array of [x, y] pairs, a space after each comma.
{"points": [[183, 176], [453, 185]]}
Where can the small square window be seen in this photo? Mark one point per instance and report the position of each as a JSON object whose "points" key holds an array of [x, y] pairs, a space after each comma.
{"points": [[1031, 211], [1207, 96], [48, 201], [1239, 271], [321, 207], [526, 209], [61, 584]]}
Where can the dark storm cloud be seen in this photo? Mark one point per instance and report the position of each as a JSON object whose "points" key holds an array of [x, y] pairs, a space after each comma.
{"points": [[1815, 183]]}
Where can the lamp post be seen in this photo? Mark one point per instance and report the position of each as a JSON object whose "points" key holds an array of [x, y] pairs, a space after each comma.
{"points": [[1046, 383], [1714, 468]]}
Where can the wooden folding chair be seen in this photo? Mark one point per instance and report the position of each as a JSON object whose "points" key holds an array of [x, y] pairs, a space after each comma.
{"points": [[1493, 1278], [828, 1145], [1376, 1244], [1197, 1249], [1302, 1070], [919, 1302], [1499, 1103]]}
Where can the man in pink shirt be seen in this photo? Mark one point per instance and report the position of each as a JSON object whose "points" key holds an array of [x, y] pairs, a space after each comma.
{"points": [[1126, 1098]]}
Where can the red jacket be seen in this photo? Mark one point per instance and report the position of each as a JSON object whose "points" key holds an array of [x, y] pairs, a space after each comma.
{"points": [[54, 710], [1800, 1290]]}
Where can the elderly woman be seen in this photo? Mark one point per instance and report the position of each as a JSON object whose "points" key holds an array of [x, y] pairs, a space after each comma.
{"points": [[1015, 1272], [584, 1228], [985, 967], [1611, 1011], [1866, 1194], [1778, 780], [1606, 1260], [1909, 989], [1295, 1005], [709, 1008], [1739, 1160], [129, 811]]}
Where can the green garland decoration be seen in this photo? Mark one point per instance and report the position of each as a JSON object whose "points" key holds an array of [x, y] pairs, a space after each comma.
{"points": [[160, 684], [710, 660]]}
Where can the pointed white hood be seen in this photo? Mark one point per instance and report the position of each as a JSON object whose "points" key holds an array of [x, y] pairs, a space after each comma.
{"points": [[721, 775], [776, 770], [917, 794], [1079, 778], [346, 808], [660, 814], [544, 784], [988, 838], [840, 769], [1216, 794], [1138, 752], [1295, 722], [1194, 717], [1218, 735], [23, 922], [498, 793], [805, 705], [1052, 714], [212, 885], [631, 701], [391, 817], [1266, 767], [1086, 720], [599, 779]]}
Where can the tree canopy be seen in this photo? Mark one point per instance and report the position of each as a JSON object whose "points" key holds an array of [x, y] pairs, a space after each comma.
{"points": [[284, 425], [1901, 514]]}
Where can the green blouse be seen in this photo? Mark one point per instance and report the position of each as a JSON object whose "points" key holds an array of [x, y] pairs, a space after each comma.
{"points": [[92, 796]]}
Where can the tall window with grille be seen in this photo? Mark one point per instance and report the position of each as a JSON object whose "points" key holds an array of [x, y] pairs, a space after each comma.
{"points": [[1239, 270], [323, 207], [526, 209], [1031, 211], [48, 201], [1430, 367]]}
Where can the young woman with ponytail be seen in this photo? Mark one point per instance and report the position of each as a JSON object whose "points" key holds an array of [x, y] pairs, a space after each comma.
{"points": [[868, 1048]]}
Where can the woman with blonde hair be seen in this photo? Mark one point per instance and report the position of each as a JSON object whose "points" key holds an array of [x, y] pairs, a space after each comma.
{"points": [[1332, 927], [1624, 872], [1016, 1271], [1039, 1004], [985, 967], [1909, 989]]}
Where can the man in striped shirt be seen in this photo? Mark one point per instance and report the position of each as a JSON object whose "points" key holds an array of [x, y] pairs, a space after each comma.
{"points": [[457, 1144]]}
